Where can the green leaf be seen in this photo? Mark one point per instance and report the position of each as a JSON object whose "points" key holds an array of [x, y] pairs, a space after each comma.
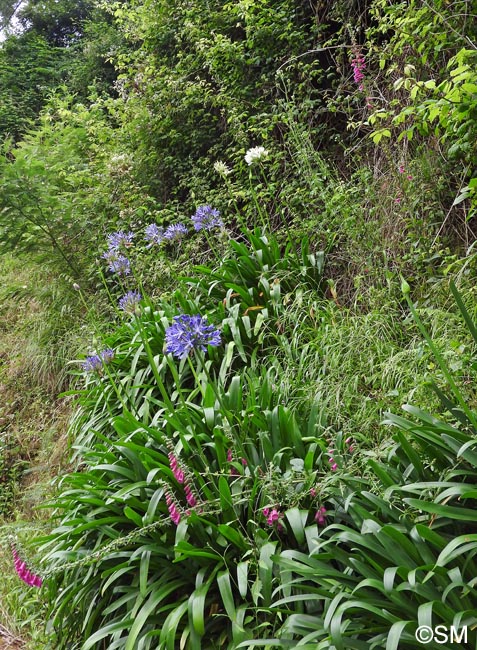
{"points": [[105, 631], [225, 588], [265, 571], [143, 572], [169, 627], [233, 536], [133, 516], [458, 546], [226, 500], [242, 578], [460, 514], [297, 520], [394, 636]]}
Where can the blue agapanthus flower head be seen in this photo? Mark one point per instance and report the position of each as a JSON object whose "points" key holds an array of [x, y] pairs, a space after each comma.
{"points": [[107, 355], [206, 217], [175, 232], [130, 301], [190, 333], [154, 234], [119, 264], [92, 363], [118, 239], [95, 362]]}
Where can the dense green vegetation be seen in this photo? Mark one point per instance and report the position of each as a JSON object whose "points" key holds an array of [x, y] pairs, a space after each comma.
{"points": [[237, 240]]}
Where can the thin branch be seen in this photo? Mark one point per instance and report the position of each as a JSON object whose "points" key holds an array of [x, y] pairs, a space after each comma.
{"points": [[449, 26]]}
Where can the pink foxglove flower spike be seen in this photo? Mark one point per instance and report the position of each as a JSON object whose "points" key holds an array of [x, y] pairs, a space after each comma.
{"points": [[24, 572]]}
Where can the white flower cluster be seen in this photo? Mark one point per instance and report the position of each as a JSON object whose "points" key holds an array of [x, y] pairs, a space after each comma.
{"points": [[221, 168], [254, 154]]}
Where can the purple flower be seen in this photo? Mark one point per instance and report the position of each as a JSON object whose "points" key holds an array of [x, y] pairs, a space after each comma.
{"points": [[273, 516], [110, 255], [95, 362], [119, 264], [191, 500], [358, 64], [120, 238], [175, 467], [320, 516], [206, 217], [190, 333], [24, 572], [92, 363], [130, 301], [174, 511], [154, 234], [107, 355], [175, 232]]}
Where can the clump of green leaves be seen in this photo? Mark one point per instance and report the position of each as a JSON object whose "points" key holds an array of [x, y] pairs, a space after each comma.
{"points": [[196, 470]]}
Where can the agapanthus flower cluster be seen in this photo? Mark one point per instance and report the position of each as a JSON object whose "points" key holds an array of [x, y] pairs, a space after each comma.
{"points": [[129, 302], [120, 239], [359, 65], [117, 261], [92, 363], [175, 232], [189, 333], [24, 572], [95, 362], [118, 264], [255, 154], [221, 168], [206, 217], [154, 234]]}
